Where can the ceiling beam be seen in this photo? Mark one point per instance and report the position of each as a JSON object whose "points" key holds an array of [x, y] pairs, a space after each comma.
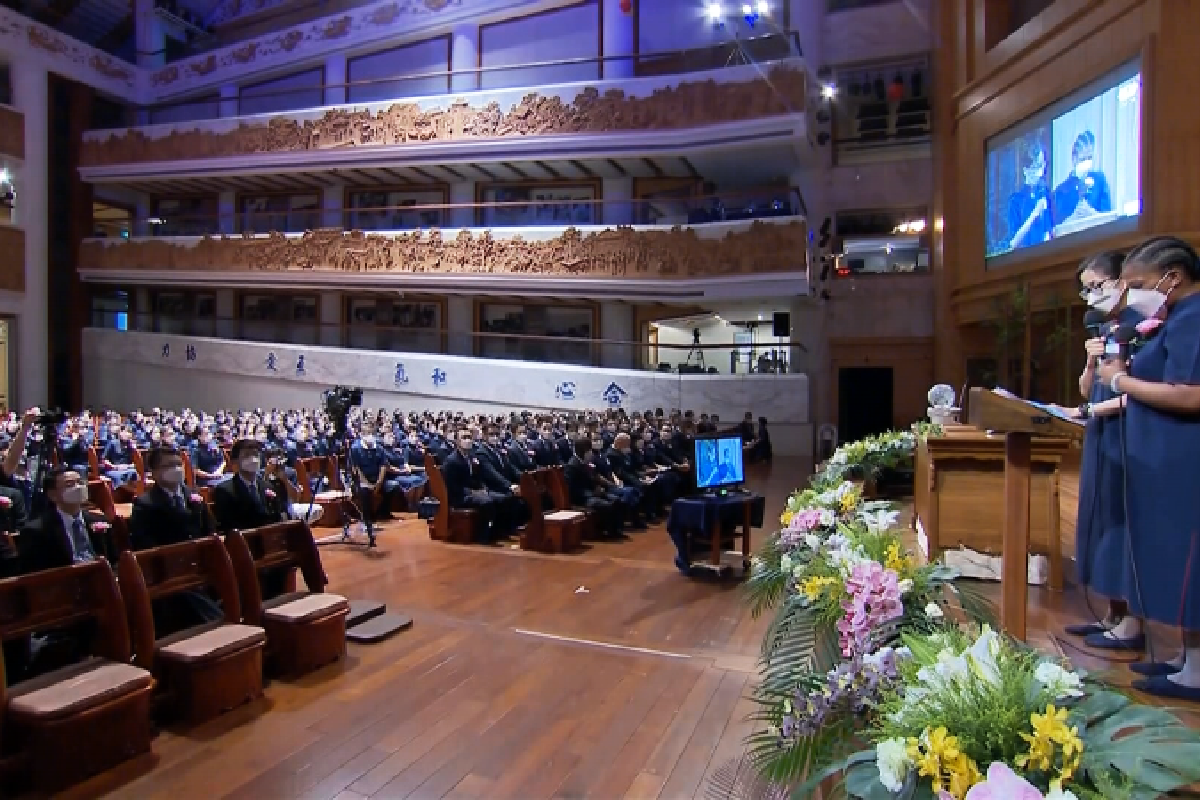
{"points": [[654, 167], [579, 165], [617, 166], [118, 34], [553, 173]]}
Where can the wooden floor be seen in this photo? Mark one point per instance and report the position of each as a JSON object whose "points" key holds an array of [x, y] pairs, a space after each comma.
{"points": [[601, 675], [604, 675]]}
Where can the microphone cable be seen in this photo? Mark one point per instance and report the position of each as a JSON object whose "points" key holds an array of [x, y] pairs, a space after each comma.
{"points": [[1137, 581]]}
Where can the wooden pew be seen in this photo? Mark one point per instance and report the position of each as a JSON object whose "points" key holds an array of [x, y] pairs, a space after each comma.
{"points": [[62, 727], [100, 495], [558, 531], [305, 630], [207, 669], [456, 525], [562, 501]]}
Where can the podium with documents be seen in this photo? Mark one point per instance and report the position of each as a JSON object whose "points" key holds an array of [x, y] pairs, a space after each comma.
{"points": [[1019, 421]]}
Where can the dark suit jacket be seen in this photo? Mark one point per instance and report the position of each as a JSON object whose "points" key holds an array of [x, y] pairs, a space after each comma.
{"points": [[496, 458], [621, 465], [581, 483], [461, 476], [13, 514], [546, 453], [156, 520], [518, 456], [46, 544], [238, 507]]}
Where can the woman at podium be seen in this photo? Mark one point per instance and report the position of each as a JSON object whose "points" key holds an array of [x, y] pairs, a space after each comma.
{"points": [[1100, 553], [1161, 384]]}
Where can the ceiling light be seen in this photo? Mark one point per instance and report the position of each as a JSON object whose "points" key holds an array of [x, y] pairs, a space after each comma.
{"points": [[747, 9], [714, 11], [763, 8], [828, 92]]}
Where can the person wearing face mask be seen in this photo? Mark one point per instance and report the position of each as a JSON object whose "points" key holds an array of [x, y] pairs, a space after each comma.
{"points": [[1161, 388], [377, 484], [411, 482], [466, 489], [648, 498], [585, 492], [494, 455], [73, 449], [1100, 516], [208, 460], [1084, 193], [545, 451], [117, 459], [628, 498], [250, 499], [64, 533], [501, 478], [171, 511], [520, 450]]}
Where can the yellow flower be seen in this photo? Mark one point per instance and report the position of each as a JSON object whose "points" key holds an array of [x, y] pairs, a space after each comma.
{"points": [[812, 587], [896, 562], [849, 502], [937, 757], [785, 519], [1051, 735]]}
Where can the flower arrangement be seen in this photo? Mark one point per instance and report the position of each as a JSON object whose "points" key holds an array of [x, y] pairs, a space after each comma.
{"points": [[195, 498], [5, 502], [886, 673], [867, 458], [100, 527], [967, 717]]}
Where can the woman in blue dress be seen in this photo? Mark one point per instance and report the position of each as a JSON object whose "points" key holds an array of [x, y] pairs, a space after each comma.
{"points": [[1161, 440], [1100, 518]]}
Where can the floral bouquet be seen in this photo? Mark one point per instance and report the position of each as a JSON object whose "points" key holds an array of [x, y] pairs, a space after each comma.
{"points": [[951, 715], [867, 458]]}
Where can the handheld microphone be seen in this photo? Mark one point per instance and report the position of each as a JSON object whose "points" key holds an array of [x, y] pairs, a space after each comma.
{"points": [[1094, 320], [1116, 343]]}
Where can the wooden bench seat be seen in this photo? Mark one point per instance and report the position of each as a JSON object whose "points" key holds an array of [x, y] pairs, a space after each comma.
{"points": [[62, 727], [305, 630], [457, 525], [207, 669]]}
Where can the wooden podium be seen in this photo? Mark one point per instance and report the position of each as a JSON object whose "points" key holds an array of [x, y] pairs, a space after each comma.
{"points": [[1019, 421]]}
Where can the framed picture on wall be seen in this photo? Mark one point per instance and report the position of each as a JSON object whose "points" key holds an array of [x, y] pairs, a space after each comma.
{"points": [[546, 205], [304, 309], [362, 310], [395, 209]]}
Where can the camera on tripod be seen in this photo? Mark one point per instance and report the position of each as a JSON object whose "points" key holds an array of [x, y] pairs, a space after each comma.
{"points": [[54, 417], [339, 400]]}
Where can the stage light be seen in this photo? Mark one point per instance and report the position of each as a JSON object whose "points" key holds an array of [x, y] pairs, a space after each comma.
{"points": [[828, 92], [714, 12], [763, 7], [747, 10]]}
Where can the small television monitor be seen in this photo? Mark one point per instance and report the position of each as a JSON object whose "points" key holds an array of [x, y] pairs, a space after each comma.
{"points": [[718, 462], [1072, 167]]}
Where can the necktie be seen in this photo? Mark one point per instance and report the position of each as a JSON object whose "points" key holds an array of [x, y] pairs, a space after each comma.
{"points": [[80, 542]]}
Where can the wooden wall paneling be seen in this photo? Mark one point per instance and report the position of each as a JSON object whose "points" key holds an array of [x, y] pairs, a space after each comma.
{"points": [[1113, 33], [12, 132], [949, 26], [12, 266], [911, 360]]}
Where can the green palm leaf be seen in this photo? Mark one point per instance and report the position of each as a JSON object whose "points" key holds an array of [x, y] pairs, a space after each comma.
{"points": [[1149, 746]]}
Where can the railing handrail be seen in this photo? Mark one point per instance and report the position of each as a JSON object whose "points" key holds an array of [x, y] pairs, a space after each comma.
{"points": [[441, 331], [791, 35], [692, 201]]}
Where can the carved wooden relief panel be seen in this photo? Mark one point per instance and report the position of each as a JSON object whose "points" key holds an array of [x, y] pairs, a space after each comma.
{"points": [[688, 105], [613, 253]]}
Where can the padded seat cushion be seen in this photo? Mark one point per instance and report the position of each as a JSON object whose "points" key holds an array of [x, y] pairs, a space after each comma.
{"points": [[74, 689], [329, 497], [564, 516], [307, 608], [211, 642], [124, 509]]}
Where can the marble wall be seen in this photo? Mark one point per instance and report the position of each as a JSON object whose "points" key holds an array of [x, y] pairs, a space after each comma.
{"points": [[877, 32], [128, 370], [880, 307]]}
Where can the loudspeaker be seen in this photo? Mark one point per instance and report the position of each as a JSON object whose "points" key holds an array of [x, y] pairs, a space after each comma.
{"points": [[781, 324]]}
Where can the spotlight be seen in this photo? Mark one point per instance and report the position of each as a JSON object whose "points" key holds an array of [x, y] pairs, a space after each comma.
{"points": [[747, 9], [714, 11], [763, 7], [828, 92]]}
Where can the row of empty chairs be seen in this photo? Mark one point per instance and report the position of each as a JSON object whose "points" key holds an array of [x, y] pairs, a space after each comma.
{"points": [[100, 710]]}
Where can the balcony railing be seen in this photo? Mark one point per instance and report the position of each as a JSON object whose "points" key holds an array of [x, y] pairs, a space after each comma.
{"points": [[550, 206], [773, 46], [566, 346]]}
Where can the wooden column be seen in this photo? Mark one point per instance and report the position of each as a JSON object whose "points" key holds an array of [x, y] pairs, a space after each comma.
{"points": [[1014, 569]]}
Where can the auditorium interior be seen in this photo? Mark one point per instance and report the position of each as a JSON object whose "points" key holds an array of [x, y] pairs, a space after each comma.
{"points": [[496, 349]]}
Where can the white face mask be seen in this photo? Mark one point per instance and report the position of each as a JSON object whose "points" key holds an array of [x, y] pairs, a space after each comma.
{"points": [[1147, 302], [493, 440], [368, 441], [75, 495], [249, 464], [1083, 168], [172, 476], [1105, 300]]}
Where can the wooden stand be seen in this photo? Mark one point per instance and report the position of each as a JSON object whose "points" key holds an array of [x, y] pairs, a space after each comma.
{"points": [[1018, 421]]}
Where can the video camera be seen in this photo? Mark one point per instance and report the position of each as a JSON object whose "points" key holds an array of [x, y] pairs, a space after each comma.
{"points": [[53, 417], [338, 401]]}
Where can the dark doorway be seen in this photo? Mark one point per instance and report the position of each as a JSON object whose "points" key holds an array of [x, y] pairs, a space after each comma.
{"points": [[864, 402]]}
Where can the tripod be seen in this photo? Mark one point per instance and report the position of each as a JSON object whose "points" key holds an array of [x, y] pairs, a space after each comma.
{"points": [[696, 352], [347, 476]]}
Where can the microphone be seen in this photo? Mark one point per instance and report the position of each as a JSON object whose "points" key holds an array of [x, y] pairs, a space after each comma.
{"points": [[1116, 343], [1094, 320]]}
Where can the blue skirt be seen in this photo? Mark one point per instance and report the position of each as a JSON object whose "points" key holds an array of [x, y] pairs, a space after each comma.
{"points": [[1101, 551]]}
